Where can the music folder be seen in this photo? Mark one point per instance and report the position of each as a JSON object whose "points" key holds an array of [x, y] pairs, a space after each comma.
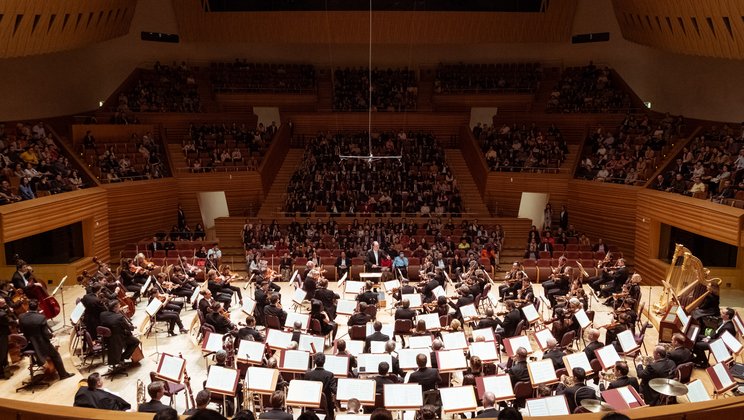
{"points": [[500, 385], [294, 361], [261, 380], [361, 389], [696, 391], [222, 380], [451, 360], [721, 377], [512, 344], [607, 356], [304, 393], [77, 313], [459, 399], [530, 313], [250, 352], [486, 350], [337, 365], [731, 342], [720, 351], [346, 307], [249, 305], [542, 372], [438, 291], [212, 342], [353, 287], [403, 396], [486, 333], [547, 406], [542, 336], [171, 368], [469, 312], [577, 359], [455, 340], [419, 341], [276, 339], [623, 398]]}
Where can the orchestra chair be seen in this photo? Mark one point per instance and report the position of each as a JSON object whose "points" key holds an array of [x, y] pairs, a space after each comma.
{"points": [[641, 337], [432, 397], [104, 334], [372, 312], [560, 372], [402, 329], [445, 320], [316, 329], [171, 389], [522, 391], [507, 365], [683, 372], [499, 342], [520, 328], [93, 349], [358, 332], [596, 367], [272, 321], [485, 303], [567, 339], [35, 379]]}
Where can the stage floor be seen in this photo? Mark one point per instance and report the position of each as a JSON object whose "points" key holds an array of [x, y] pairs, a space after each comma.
{"points": [[62, 392]]}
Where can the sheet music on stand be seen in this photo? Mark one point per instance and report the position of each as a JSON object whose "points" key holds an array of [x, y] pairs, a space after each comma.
{"points": [[721, 377], [342, 280], [298, 297], [294, 277], [431, 320], [407, 358], [438, 291], [261, 380], [607, 356], [374, 277], [469, 312], [307, 342], [346, 307], [720, 351], [513, 343], [500, 385], [390, 285], [696, 391], [294, 361], [575, 360], [627, 341], [153, 307], [403, 396], [355, 347], [353, 287], [455, 340], [542, 372], [304, 320], [419, 341], [212, 342], [486, 333], [486, 350], [146, 285], [337, 365], [530, 313], [387, 329], [414, 299], [249, 305], [250, 352], [170, 368], [683, 317], [77, 313], [195, 295], [361, 389], [222, 380], [368, 363], [731, 342], [547, 406], [738, 323], [304, 393], [542, 336], [583, 318], [451, 360], [459, 399], [623, 398], [353, 416], [276, 339], [377, 346]]}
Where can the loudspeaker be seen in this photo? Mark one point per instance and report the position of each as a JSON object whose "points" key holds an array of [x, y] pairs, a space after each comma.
{"points": [[160, 37], [595, 37]]}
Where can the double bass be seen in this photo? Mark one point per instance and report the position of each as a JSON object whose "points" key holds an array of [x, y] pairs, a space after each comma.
{"points": [[48, 305]]}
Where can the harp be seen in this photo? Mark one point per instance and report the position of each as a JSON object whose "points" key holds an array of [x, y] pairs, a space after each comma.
{"points": [[686, 282]]}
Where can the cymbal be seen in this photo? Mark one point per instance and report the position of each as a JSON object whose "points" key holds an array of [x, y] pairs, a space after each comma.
{"points": [[595, 406], [668, 387]]}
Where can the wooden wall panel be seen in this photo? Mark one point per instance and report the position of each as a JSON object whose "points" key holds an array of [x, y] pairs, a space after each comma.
{"points": [[504, 190], [137, 210], [284, 101], [272, 162], [243, 192], [475, 158], [505, 102], [606, 211]]}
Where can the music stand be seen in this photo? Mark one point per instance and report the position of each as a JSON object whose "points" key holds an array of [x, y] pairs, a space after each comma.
{"points": [[152, 310], [65, 328]]}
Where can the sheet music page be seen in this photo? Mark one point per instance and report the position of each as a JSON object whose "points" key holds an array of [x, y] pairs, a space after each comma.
{"points": [[387, 329], [414, 299], [582, 318], [628, 396], [486, 333], [261, 379], [577, 359], [719, 350], [530, 313], [407, 358], [451, 360], [153, 307], [520, 341], [222, 380], [77, 313], [251, 350], [248, 305], [738, 323], [683, 317], [295, 316], [557, 405], [146, 285], [361, 389], [340, 281], [431, 320], [420, 341], [171, 367], [294, 277], [308, 392], [403, 395], [454, 341], [214, 342], [542, 336], [307, 339], [538, 407], [458, 398], [608, 355], [723, 376], [391, 284], [195, 295], [500, 385], [338, 365], [278, 339], [355, 347], [627, 341], [354, 287], [298, 296], [371, 362], [696, 391], [469, 311], [295, 360], [346, 307], [542, 371], [731, 342], [377, 346], [438, 291], [486, 350]]}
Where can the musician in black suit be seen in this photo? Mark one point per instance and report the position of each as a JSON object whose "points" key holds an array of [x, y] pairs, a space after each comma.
{"points": [[703, 343], [621, 377], [319, 374], [554, 353], [93, 396], [156, 390], [680, 354], [490, 321], [511, 319], [213, 317], [249, 331], [405, 289], [277, 408], [21, 275], [5, 321], [427, 377], [275, 308], [465, 299], [93, 308], [577, 392], [384, 377], [710, 305], [360, 316], [377, 335], [369, 296], [327, 297], [36, 330], [489, 409], [262, 301], [343, 264], [518, 371], [373, 258], [404, 312], [618, 276], [122, 343], [661, 367], [592, 335]]}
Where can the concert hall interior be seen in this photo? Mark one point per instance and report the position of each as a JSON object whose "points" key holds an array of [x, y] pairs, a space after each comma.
{"points": [[371, 209]]}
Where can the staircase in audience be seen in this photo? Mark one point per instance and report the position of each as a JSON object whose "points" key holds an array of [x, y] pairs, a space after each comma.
{"points": [[274, 200], [325, 89], [471, 196]]}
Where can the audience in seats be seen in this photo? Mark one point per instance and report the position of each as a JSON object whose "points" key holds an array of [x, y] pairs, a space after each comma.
{"points": [[419, 182], [587, 89], [487, 78], [210, 146], [521, 148], [629, 154], [139, 157], [163, 89], [242, 76], [391, 89], [32, 165]]}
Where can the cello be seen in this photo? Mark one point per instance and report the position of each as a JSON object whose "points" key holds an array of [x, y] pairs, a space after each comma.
{"points": [[48, 305]]}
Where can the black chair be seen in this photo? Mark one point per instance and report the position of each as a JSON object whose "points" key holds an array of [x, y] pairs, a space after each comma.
{"points": [[34, 367], [93, 349], [104, 335]]}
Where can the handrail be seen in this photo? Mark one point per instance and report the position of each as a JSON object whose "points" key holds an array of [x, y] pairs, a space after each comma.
{"points": [[671, 155], [472, 153]]}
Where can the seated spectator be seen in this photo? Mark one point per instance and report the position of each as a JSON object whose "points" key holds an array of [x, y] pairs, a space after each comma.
{"points": [[242, 76], [163, 89], [522, 148], [391, 90], [587, 89]]}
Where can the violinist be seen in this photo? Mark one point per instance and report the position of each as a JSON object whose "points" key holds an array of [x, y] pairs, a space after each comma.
{"points": [[603, 277], [93, 308], [489, 321], [261, 297], [327, 297], [311, 283], [267, 274], [464, 298], [225, 278], [576, 291], [130, 278], [142, 266], [218, 319], [404, 312], [427, 289], [559, 281], [169, 312], [275, 309], [512, 280], [326, 325], [623, 321], [405, 289], [249, 330], [221, 294], [618, 277], [369, 296], [184, 286], [189, 269], [442, 306], [562, 322]]}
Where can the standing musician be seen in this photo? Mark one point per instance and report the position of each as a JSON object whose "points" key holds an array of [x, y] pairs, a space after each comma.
{"points": [[374, 257], [34, 327], [559, 281], [122, 343], [512, 280], [169, 312], [219, 291], [327, 297], [311, 283]]}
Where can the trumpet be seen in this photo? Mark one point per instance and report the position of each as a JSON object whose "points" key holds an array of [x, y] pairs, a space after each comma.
{"points": [[141, 398]]}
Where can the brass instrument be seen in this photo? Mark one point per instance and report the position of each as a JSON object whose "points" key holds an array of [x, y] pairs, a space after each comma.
{"points": [[687, 281], [647, 360], [141, 395], [568, 381]]}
